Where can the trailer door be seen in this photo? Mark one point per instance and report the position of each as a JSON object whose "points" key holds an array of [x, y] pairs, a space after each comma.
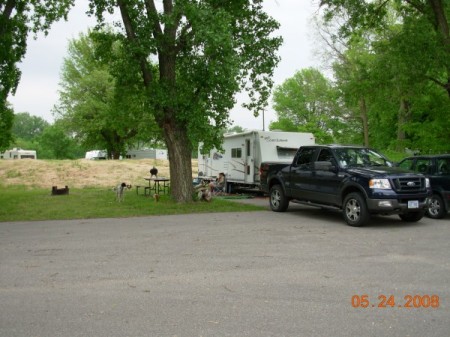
{"points": [[249, 162]]}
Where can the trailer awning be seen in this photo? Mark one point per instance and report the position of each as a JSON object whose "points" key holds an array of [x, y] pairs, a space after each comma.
{"points": [[287, 148]]}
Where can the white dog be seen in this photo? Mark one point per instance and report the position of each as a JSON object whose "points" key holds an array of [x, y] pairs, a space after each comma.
{"points": [[120, 189]]}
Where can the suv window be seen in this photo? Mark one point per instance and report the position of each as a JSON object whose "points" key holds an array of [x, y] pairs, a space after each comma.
{"points": [[407, 164], [443, 166], [423, 165], [305, 158]]}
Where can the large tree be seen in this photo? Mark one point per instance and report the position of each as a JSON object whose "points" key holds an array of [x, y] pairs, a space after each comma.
{"points": [[28, 127], [205, 51], [17, 19], [6, 123], [307, 102], [430, 17], [101, 99]]}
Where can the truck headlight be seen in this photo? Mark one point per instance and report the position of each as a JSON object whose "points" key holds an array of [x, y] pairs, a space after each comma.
{"points": [[427, 183], [382, 184]]}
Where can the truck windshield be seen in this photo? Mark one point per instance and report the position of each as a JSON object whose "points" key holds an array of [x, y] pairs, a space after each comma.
{"points": [[360, 157]]}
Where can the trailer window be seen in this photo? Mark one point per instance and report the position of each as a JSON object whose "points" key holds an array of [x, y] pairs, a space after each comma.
{"points": [[236, 152], [286, 152]]}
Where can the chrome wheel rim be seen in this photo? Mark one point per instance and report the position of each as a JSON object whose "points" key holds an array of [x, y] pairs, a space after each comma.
{"points": [[275, 198], [434, 207], [353, 210]]}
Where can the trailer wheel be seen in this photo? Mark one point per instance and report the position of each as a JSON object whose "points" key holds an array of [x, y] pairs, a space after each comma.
{"points": [[278, 200]]}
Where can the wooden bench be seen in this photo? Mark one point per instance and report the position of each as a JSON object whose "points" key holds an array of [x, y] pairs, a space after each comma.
{"points": [[139, 186]]}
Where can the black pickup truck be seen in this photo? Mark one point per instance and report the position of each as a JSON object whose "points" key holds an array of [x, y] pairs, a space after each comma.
{"points": [[357, 180]]}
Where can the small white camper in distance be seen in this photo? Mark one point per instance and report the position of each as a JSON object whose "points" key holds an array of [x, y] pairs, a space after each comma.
{"points": [[244, 152], [18, 153]]}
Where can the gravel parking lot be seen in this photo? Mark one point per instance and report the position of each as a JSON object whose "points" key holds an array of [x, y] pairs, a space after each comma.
{"points": [[299, 273]]}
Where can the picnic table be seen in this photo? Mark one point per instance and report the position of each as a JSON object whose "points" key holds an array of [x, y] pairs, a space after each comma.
{"points": [[155, 185]]}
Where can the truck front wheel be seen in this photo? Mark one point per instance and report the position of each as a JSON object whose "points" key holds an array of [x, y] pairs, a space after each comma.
{"points": [[278, 201], [355, 210], [436, 210]]}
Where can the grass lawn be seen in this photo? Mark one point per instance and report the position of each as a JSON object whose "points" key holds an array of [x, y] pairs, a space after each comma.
{"points": [[20, 203]]}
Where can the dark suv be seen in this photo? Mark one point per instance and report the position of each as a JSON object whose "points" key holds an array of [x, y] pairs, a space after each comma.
{"points": [[437, 169]]}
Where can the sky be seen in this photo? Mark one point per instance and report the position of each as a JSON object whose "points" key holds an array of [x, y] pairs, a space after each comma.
{"points": [[37, 92]]}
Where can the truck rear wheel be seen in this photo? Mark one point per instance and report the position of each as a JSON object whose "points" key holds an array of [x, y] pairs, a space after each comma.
{"points": [[355, 210], [278, 200]]}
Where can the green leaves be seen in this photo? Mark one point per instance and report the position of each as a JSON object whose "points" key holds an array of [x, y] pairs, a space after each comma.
{"points": [[103, 99], [17, 20], [397, 59], [306, 103]]}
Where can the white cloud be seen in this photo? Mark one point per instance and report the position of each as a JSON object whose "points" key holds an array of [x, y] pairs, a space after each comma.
{"points": [[38, 89]]}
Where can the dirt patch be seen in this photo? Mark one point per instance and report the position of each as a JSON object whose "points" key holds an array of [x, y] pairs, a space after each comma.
{"points": [[81, 173]]}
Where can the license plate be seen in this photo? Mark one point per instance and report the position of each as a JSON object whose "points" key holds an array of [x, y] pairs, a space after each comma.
{"points": [[413, 204]]}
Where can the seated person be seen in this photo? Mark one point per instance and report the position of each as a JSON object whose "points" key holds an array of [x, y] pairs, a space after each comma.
{"points": [[219, 184], [203, 191]]}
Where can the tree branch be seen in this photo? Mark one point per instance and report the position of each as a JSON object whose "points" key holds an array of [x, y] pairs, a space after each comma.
{"points": [[184, 37], [440, 19], [417, 5], [131, 35], [152, 15], [9, 7], [441, 84]]}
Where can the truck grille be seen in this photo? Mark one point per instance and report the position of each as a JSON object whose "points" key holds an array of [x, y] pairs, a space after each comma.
{"points": [[408, 185]]}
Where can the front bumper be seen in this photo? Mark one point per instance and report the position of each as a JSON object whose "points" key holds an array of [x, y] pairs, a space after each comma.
{"points": [[394, 206]]}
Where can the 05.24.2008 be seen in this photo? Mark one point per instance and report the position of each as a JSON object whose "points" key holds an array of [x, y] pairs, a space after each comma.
{"points": [[409, 301]]}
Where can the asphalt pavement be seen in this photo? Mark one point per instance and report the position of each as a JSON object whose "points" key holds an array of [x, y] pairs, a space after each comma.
{"points": [[299, 273]]}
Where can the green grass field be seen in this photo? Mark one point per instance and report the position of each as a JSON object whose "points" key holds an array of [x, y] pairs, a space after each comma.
{"points": [[19, 203]]}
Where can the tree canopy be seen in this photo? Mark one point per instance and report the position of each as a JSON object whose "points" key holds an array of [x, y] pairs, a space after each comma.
{"points": [[101, 99], [426, 22], [19, 18], [307, 102], [389, 70], [28, 127]]}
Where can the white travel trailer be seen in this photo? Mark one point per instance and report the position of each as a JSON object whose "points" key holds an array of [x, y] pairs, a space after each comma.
{"points": [[17, 153], [147, 153], [96, 155], [244, 152]]}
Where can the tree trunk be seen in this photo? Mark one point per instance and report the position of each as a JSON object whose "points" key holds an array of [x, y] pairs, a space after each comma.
{"points": [[442, 26], [364, 119], [403, 117], [180, 158], [175, 135]]}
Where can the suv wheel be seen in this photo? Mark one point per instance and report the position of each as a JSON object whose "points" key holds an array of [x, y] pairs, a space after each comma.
{"points": [[278, 201], [411, 217], [436, 209], [355, 210]]}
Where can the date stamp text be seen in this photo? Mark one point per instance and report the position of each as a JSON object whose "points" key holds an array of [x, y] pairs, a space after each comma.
{"points": [[390, 301]]}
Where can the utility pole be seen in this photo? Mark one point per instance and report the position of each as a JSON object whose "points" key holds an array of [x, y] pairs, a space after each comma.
{"points": [[263, 120]]}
